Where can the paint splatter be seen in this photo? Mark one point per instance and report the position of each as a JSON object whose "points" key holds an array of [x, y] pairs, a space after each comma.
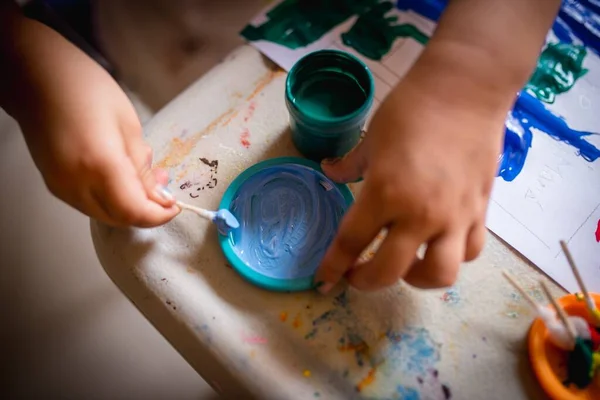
{"points": [[283, 316], [373, 34], [451, 296], [306, 373], [366, 381], [245, 138], [351, 340], [558, 68], [413, 350], [295, 23], [297, 322], [598, 232], [250, 111], [408, 393], [254, 340]]}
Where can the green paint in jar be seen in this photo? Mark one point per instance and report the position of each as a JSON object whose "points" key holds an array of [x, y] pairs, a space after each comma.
{"points": [[329, 94]]}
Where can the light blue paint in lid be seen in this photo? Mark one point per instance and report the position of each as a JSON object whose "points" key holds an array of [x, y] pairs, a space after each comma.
{"points": [[289, 213]]}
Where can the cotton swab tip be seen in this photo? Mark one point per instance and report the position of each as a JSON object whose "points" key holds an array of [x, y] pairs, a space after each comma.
{"points": [[225, 221]]}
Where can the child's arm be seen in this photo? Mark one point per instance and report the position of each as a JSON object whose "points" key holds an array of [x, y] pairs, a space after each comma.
{"points": [[81, 130], [430, 156]]}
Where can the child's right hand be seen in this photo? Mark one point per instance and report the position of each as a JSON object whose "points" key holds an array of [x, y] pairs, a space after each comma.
{"points": [[83, 133]]}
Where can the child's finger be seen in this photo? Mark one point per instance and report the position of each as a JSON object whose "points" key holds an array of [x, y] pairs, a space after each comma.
{"points": [[126, 197], [141, 157]]}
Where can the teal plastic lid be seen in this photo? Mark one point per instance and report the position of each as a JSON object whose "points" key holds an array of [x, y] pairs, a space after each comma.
{"points": [[289, 213]]}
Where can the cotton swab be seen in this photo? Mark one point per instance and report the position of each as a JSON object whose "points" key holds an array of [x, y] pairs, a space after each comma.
{"points": [[559, 311], [591, 305], [558, 333], [223, 218]]}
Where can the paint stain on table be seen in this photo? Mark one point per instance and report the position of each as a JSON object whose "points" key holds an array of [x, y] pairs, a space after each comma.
{"points": [[598, 232], [366, 381], [245, 138]]}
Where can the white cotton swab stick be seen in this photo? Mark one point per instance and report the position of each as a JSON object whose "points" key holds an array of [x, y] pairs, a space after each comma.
{"points": [[559, 311], [558, 333], [223, 218], [591, 305], [526, 295]]}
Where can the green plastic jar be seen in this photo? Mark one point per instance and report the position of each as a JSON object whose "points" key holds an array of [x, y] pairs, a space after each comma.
{"points": [[329, 94]]}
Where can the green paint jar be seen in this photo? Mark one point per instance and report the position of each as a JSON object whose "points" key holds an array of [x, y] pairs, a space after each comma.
{"points": [[329, 94]]}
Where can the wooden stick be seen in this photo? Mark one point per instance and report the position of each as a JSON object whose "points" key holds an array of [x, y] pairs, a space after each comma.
{"points": [[562, 315], [526, 295], [588, 299]]}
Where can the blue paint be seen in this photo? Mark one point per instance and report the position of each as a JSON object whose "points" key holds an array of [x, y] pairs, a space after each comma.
{"points": [[583, 20], [225, 221], [408, 393], [413, 351], [289, 212], [517, 142], [529, 113], [578, 22], [288, 220], [430, 9]]}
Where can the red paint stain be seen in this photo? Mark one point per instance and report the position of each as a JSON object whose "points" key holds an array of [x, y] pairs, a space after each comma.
{"points": [[255, 340], [250, 112], [366, 381], [244, 138], [598, 232], [283, 316]]}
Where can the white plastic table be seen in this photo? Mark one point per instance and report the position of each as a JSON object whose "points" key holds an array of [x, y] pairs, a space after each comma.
{"points": [[468, 342]]}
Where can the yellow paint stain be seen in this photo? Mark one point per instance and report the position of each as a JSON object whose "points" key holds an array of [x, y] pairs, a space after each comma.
{"points": [[283, 316], [264, 82], [306, 373], [366, 381], [180, 148], [297, 323], [252, 353], [231, 117]]}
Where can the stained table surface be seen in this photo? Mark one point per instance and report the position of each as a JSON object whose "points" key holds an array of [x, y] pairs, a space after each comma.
{"points": [[468, 342]]}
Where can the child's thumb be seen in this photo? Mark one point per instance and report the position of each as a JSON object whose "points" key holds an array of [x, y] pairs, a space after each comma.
{"points": [[347, 169], [154, 181]]}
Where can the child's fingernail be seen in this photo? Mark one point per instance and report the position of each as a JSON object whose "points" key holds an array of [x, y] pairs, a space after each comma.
{"points": [[164, 192], [331, 161], [324, 287]]}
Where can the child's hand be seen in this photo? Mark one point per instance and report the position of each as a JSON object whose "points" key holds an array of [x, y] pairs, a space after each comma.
{"points": [[428, 160], [82, 131], [90, 151]]}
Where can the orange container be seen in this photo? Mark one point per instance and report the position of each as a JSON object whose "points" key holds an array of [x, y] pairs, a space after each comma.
{"points": [[550, 363]]}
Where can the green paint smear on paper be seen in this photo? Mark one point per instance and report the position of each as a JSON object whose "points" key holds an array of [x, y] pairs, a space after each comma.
{"points": [[299, 23], [373, 34], [558, 68]]}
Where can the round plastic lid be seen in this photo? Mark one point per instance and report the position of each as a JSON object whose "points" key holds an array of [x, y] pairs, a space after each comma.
{"points": [[548, 361], [289, 212]]}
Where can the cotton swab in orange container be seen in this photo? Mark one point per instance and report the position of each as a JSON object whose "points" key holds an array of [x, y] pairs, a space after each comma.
{"points": [[570, 371]]}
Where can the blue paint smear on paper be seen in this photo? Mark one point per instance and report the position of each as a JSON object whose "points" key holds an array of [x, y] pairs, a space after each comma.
{"points": [[528, 113], [578, 22]]}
